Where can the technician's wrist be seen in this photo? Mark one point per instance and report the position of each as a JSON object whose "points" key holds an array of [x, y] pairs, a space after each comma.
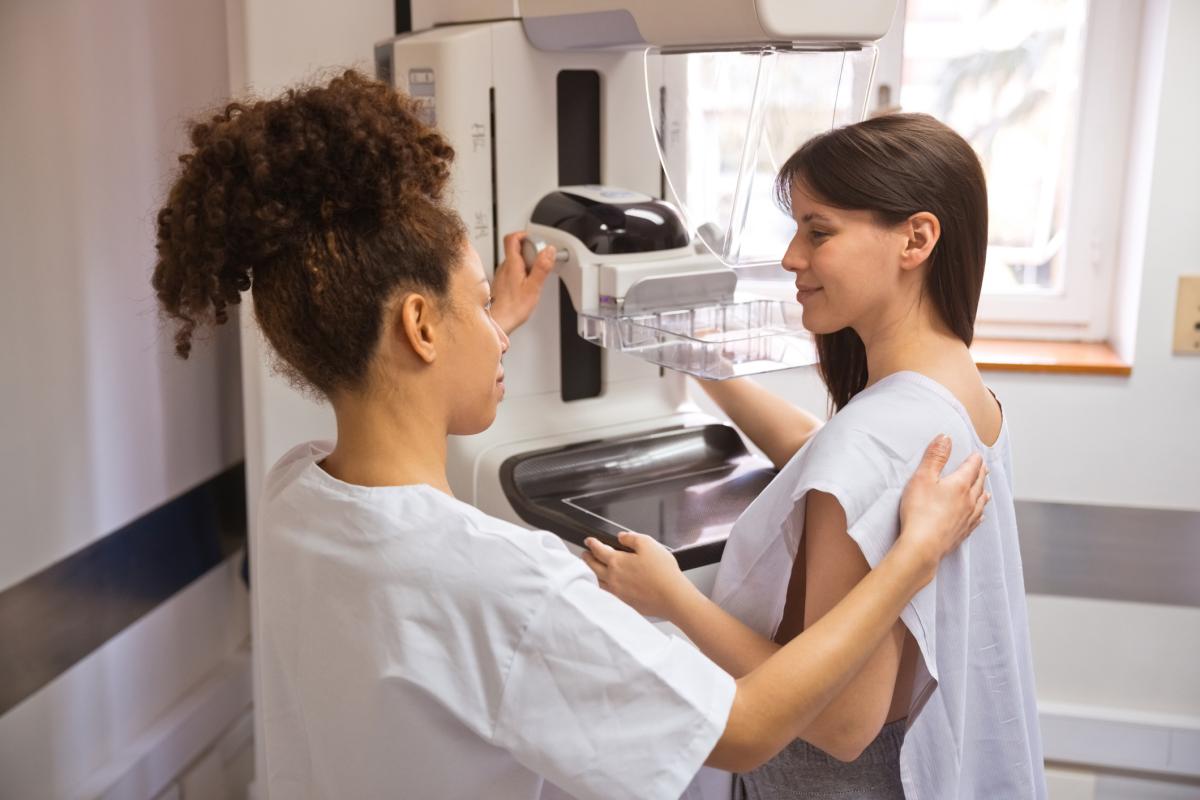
{"points": [[682, 600], [915, 561]]}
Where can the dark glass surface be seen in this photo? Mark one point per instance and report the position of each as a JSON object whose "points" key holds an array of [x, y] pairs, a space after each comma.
{"points": [[680, 512], [684, 485]]}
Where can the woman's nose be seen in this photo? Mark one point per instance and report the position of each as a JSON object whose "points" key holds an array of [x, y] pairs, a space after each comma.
{"points": [[795, 259], [503, 337]]}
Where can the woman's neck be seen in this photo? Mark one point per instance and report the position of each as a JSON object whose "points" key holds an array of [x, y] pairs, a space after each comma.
{"points": [[913, 338], [388, 441]]}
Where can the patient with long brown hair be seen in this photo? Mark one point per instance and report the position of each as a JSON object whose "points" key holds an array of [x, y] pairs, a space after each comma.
{"points": [[888, 259]]}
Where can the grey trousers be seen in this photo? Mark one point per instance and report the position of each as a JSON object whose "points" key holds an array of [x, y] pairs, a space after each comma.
{"points": [[801, 770]]}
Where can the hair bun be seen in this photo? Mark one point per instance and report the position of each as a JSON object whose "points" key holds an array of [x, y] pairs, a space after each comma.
{"points": [[287, 192]]}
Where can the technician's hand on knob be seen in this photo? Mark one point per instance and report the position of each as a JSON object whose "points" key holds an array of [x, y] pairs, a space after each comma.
{"points": [[516, 285]]}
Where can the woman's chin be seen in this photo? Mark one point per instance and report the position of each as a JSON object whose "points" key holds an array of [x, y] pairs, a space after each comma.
{"points": [[477, 423], [814, 324]]}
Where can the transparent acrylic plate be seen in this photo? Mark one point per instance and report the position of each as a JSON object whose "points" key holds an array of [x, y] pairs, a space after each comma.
{"points": [[713, 342]]}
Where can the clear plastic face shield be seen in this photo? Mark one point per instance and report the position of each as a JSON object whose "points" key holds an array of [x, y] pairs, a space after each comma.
{"points": [[726, 121]]}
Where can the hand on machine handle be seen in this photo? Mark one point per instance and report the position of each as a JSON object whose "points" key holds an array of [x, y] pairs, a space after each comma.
{"points": [[532, 248], [516, 285]]}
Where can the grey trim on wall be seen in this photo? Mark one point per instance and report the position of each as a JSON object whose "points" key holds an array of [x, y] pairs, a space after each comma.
{"points": [[52, 620], [1140, 555], [55, 618]]}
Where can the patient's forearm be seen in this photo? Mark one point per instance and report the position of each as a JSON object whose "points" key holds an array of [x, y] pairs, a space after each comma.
{"points": [[776, 427], [856, 715]]}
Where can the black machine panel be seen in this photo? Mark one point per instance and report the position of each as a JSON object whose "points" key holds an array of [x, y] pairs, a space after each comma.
{"points": [[611, 228]]}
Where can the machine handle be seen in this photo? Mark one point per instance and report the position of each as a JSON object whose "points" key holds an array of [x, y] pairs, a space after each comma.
{"points": [[531, 246]]}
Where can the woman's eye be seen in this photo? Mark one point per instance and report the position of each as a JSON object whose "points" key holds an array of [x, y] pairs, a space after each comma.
{"points": [[488, 305], [818, 235]]}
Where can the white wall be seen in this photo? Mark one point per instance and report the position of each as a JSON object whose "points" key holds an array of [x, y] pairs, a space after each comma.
{"points": [[103, 420], [1130, 442], [99, 423]]}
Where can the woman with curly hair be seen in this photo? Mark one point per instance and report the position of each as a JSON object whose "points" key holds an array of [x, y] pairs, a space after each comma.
{"points": [[410, 645]]}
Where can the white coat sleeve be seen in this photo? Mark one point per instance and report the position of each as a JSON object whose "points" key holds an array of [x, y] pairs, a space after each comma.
{"points": [[605, 705]]}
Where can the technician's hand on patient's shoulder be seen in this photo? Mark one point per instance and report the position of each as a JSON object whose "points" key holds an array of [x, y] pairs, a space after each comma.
{"points": [[938, 513], [648, 579], [515, 291]]}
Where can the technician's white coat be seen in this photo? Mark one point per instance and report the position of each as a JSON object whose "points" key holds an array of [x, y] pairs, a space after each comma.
{"points": [[415, 647]]}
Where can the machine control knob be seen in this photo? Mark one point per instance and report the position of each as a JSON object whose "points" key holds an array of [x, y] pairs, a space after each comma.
{"points": [[530, 248]]}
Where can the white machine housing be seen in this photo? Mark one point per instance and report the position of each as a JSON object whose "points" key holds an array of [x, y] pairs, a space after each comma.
{"points": [[599, 282], [494, 98], [594, 24], [490, 88]]}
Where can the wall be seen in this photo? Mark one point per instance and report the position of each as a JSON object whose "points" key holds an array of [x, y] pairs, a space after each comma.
{"points": [[99, 423]]}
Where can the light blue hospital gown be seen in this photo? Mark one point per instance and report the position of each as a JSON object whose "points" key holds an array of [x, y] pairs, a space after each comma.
{"points": [[973, 724]]}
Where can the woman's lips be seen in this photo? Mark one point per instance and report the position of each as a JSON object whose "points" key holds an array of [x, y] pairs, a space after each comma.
{"points": [[805, 292]]}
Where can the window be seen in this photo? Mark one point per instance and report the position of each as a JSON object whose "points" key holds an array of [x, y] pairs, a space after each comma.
{"points": [[1043, 90]]}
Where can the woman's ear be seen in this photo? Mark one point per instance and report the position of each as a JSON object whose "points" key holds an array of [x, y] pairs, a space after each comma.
{"points": [[922, 231], [415, 325]]}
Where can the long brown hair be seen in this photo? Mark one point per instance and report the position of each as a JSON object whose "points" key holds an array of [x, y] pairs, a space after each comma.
{"points": [[895, 166]]}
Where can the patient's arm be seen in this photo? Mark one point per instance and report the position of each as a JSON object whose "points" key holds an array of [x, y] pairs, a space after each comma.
{"points": [[776, 427], [784, 693], [811, 687], [832, 566], [782, 698]]}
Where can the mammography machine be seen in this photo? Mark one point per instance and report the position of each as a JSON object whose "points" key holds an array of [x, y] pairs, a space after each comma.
{"points": [[640, 138]]}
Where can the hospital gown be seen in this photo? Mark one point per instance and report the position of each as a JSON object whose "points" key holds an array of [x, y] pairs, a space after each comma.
{"points": [[413, 647], [972, 726]]}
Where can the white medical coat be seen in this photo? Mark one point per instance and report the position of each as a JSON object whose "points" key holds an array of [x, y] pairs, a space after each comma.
{"points": [[414, 647], [973, 725]]}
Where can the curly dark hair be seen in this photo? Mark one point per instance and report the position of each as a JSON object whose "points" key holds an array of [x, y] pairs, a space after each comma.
{"points": [[325, 200]]}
